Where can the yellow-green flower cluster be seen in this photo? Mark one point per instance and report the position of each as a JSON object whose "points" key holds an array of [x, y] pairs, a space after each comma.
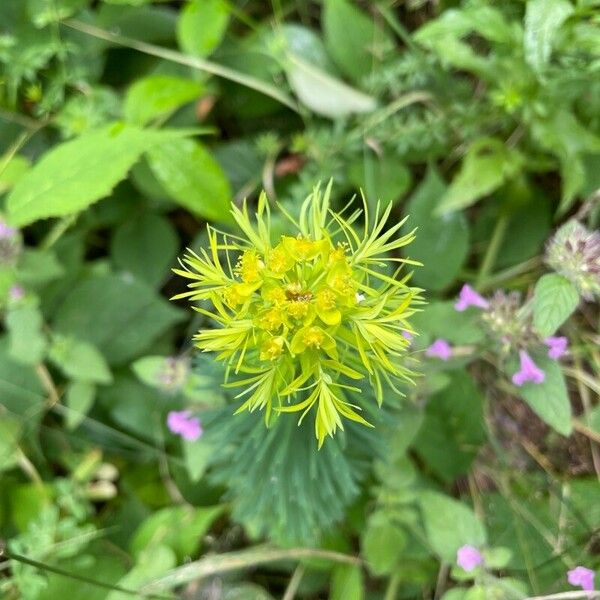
{"points": [[304, 315]]}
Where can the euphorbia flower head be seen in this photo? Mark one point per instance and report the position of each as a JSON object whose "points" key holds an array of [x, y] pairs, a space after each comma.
{"points": [[304, 314]]}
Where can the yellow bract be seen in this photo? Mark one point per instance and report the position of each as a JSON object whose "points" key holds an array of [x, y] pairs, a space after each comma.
{"points": [[307, 314]]}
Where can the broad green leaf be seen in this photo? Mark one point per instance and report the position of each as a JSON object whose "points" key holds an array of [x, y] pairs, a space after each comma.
{"points": [[149, 368], [77, 173], [12, 170], [120, 316], [485, 167], [197, 456], [146, 247], [441, 320], [192, 178], [382, 544], [157, 95], [79, 399], [323, 94], [181, 528], [79, 360], [26, 337], [549, 399], [543, 19], [384, 179], [453, 429], [202, 25], [347, 583], [38, 267], [554, 300], [353, 38], [152, 563], [10, 433], [442, 242], [449, 524]]}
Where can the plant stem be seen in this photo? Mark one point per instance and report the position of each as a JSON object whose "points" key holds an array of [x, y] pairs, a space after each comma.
{"points": [[392, 587], [492, 251]]}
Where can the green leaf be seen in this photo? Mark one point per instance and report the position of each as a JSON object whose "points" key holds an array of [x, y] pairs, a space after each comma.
{"points": [[79, 399], [77, 173], [157, 95], [485, 167], [353, 39], [146, 247], [181, 528], [10, 433], [549, 399], [27, 340], [38, 267], [382, 544], [193, 178], [323, 94], [453, 429], [383, 179], [449, 524], [441, 320], [347, 583], [202, 25], [79, 360], [12, 171], [442, 243], [554, 300], [543, 19], [120, 316], [197, 456]]}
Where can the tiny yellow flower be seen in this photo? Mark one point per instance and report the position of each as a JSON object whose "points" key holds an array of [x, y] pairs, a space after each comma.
{"points": [[306, 315]]}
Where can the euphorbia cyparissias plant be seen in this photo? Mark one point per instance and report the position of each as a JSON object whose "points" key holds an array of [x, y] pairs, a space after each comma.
{"points": [[302, 316]]}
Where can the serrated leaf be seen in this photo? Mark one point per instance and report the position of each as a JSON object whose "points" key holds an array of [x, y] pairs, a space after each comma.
{"points": [[80, 360], [158, 95], [543, 19], [324, 94], [382, 544], [192, 178], [353, 38], [146, 247], [202, 25], [554, 300], [485, 167], [27, 340], [450, 524], [77, 173], [79, 399], [11, 170], [549, 399], [442, 242]]}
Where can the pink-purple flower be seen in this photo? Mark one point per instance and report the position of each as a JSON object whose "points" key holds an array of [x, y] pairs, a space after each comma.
{"points": [[6, 231], [583, 577], [439, 349], [468, 557], [184, 424], [407, 335], [529, 371], [469, 297], [557, 346], [16, 293]]}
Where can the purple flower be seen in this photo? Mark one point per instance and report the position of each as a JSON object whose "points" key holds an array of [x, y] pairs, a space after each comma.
{"points": [[469, 297], [6, 231], [16, 293], [557, 346], [468, 557], [529, 371], [582, 577], [407, 335], [439, 349], [182, 423]]}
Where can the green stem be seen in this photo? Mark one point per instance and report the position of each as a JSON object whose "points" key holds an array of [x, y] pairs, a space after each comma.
{"points": [[492, 251], [392, 587]]}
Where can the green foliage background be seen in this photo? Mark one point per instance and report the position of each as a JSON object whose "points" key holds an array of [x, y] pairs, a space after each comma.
{"points": [[125, 125]]}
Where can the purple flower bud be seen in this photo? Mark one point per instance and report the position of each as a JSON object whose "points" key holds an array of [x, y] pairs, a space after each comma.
{"points": [[469, 297], [439, 349], [407, 335], [583, 577], [468, 558], [6, 231], [182, 423], [557, 346], [16, 293], [529, 371]]}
